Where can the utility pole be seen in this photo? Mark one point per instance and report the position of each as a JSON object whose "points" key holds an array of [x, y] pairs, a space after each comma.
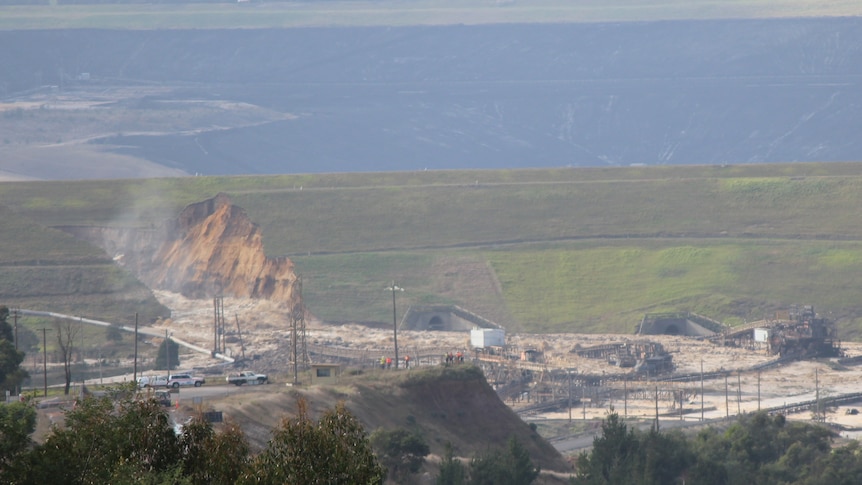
{"points": [[239, 332], [33, 381], [215, 326], [758, 390], [15, 319], [45, 360], [299, 347], [135, 374], [625, 397], [218, 325], [569, 372], [726, 399], [817, 392], [294, 342], [395, 321], [81, 353], [701, 389], [168, 353]]}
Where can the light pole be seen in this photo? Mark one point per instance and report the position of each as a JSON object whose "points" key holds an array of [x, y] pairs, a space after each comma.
{"points": [[395, 320]]}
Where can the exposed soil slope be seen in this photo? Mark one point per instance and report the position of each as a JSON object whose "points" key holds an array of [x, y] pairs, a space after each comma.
{"points": [[212, 248], [217, 249]]}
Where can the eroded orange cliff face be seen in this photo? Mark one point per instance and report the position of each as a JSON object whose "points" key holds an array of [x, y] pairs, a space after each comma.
{"points": [[217, 249], [211, 249]]}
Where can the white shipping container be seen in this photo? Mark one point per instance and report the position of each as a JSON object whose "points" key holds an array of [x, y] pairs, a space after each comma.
{"points": [[761, 334], [487, 337]]}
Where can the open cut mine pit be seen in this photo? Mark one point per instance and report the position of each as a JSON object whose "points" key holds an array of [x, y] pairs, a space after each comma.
{"points": [[212, 253]]}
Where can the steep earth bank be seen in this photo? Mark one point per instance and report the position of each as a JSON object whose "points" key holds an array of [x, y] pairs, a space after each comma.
{"points": [[454, 405], [211, 249]]}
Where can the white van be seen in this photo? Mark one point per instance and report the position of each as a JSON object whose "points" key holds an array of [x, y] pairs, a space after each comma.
{"points": [[152, 381]]}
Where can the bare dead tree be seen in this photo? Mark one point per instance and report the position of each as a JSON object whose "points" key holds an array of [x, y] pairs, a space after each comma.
{"points": [[67, 332]]}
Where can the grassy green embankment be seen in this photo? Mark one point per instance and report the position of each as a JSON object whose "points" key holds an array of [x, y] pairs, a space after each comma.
{"points": [[562, 250]]}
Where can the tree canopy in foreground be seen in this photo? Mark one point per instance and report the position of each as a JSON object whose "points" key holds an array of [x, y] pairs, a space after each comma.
{"points": [[119, 439], [758, 448]]}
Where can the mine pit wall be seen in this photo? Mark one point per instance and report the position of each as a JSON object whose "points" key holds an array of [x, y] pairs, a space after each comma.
{"points": [[211, 249]]}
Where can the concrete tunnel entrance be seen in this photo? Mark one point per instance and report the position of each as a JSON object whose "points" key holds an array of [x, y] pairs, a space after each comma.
{"points": [[436, 323]]}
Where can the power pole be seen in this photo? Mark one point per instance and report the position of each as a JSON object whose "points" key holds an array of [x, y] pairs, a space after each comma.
{"points": [[81, 354], [625, 397], [299, 349], [219, 329], [15, 319], [293, 341], [817, 392], [569, 372], [135, 374], [395, 320], [215, 326], [168, 353], [726, 399], [45, 360], [238, 331], [701, 389], [293, 321], [758, 390], [394, 325]]}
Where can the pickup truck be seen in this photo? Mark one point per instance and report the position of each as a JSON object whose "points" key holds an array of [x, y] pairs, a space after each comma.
{"points": [[184, 380], [247, 377]]}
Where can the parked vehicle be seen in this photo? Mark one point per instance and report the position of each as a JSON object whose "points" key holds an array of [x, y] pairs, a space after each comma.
{"points": [[152, 381], [247, 377], [185, 380], [163, 397]]}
